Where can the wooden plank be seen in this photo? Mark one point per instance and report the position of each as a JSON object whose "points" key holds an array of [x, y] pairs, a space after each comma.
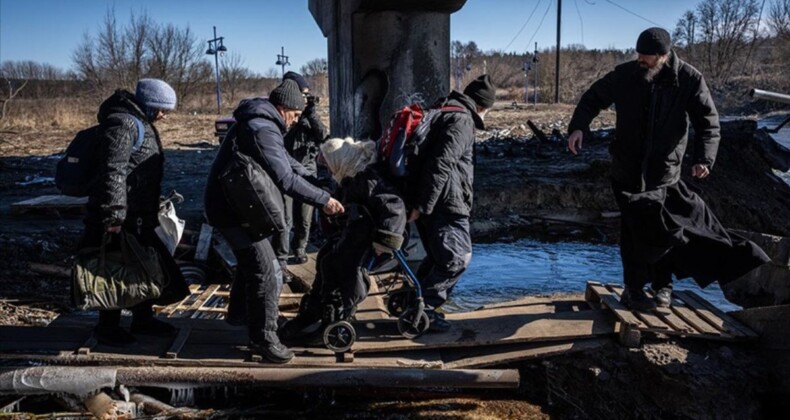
{"points": [[692, 319], [52, 201], [477, 357], [204, 241], [498, 326], [178, 343], [210, 289], [715, 315], [674, 321], [608, 299], [653, 322], [373, 307]]}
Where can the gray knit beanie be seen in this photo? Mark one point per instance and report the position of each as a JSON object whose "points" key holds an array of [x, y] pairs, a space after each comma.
{"points": [[287, 95], [155, 94]]}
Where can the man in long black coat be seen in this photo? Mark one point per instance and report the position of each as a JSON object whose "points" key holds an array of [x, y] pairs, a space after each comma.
{"points": [[666, 228]]}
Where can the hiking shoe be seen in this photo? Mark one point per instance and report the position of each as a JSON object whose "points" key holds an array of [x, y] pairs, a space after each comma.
{"points": [[637, 300], [113, 336], [438, 323], [153, 326], [273, 352], [663, 297]]}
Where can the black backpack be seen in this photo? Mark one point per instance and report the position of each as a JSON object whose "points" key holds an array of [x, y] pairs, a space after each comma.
{"points": [[76, 170]]}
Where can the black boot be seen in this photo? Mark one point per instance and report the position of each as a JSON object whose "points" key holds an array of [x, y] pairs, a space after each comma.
{"points": [[275, 352], [637, 300], [309, 314]]}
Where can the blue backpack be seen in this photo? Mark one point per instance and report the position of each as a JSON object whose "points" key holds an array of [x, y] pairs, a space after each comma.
{"points": [[77, 169]]}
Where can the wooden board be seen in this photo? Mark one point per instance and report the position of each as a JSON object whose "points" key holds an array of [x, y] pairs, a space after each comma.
{"points": [[50, 203], [487, 327], [479, 357]]}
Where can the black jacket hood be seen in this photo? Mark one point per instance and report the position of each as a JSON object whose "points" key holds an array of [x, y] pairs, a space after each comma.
{"points": [[122, 101], [259, 108]]}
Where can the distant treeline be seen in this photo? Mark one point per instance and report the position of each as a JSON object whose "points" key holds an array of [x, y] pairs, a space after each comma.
{"points": [[722, 38]]}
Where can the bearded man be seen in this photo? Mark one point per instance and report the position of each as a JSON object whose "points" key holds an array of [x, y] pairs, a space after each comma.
{"points": [[665, 228]]}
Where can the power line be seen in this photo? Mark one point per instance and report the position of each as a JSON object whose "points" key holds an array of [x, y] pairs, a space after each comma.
{"points": [[539, 25], [523, 26], [639, 16], [581, 21]]}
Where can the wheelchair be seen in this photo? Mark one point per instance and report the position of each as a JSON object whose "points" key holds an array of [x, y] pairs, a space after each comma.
{"points": [[405, 303]]}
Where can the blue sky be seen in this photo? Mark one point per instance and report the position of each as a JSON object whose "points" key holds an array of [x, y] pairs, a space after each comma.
{"points": [[49, 30]]}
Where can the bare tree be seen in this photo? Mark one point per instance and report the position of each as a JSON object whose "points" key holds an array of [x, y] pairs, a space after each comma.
{"points": [[315, 67], [11, 89], [177, 57], [779, 18], [729, 30], [233, 74]]}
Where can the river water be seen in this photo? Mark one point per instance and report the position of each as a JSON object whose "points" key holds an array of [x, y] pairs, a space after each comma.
{"points": [[505, 271]]}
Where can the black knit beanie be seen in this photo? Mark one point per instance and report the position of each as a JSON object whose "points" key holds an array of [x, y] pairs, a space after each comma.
{"points": [[287, 95], [482, 91], [653, 41], [298, 78]]}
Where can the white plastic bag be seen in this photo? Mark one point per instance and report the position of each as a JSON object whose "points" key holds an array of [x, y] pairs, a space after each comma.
{"points": [[170, 228]]}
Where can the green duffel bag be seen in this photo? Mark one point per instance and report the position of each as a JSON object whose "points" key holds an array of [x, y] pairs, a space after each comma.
{"points": [[117, 279]]}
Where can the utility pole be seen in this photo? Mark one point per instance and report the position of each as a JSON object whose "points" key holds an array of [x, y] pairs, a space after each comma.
{"points": [[216, 48], [535, 60], [527, 66], [557, 69], [282, 60]]}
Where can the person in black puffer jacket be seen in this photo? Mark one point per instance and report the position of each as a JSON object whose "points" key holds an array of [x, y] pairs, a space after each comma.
{"points": [[258, 133], [126, 196], [374, 223], [442, 202], [301, 142], [666, 228]]}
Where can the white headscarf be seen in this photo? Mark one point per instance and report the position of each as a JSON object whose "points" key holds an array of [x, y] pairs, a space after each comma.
{"points": [[347, 157]]}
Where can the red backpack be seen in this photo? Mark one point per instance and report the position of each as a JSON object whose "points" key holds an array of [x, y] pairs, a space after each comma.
{"points": [[404, 135]]}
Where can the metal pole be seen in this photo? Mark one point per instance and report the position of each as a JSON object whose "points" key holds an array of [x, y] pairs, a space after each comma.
{"points": [[526, 81], [74, 379], [537, 85], [557, 69], [216, 65]]}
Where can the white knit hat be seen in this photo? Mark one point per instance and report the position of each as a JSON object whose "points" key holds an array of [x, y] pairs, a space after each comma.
{"points": [[347, 157]]}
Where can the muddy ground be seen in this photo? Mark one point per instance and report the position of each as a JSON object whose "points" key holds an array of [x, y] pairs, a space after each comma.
{"points": [[523, 186]]}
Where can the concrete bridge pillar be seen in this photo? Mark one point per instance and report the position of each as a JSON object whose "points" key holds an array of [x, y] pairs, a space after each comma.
{"points": [[382, 55]]}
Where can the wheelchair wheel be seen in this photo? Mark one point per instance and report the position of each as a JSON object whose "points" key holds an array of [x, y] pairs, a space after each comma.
{"points": [[399, 301], [407, 327], [339, 336]]}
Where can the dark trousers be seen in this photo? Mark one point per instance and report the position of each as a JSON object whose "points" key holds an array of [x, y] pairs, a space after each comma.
{"points": [[448, 246], [175, 290], [280, 242], [636, 271], [339, 266], [255, 293], [302, 219]]}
